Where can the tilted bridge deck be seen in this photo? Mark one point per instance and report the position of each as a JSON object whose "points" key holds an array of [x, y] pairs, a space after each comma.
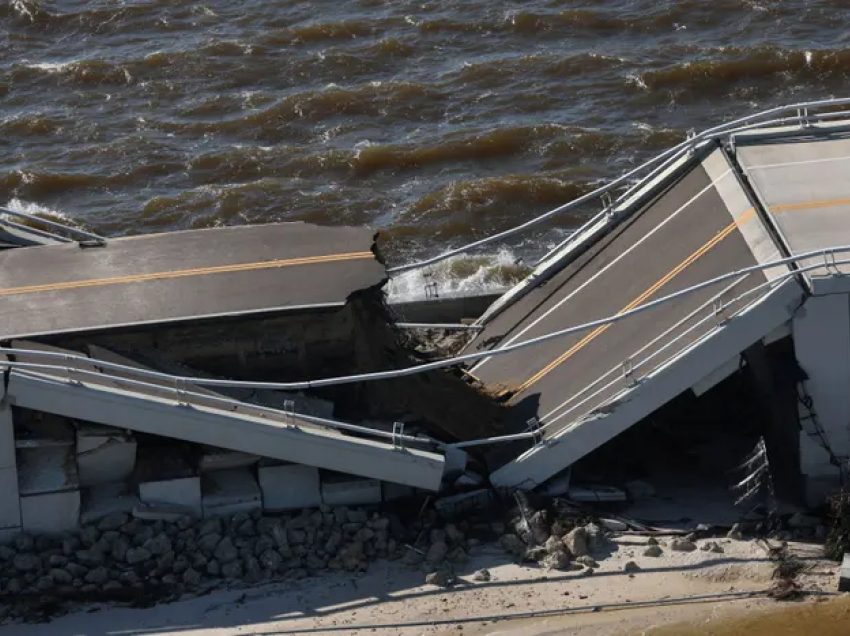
{"points": [[702, 226]]}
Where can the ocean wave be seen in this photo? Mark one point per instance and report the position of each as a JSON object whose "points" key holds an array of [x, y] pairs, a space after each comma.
{"points": [[739, 64], [487, 205], [34, 184], [30, 126], [328, 31], [406, 99], [83, 72]]}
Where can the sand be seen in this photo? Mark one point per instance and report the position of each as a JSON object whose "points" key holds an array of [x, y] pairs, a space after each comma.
{"points": [[392, 599]]}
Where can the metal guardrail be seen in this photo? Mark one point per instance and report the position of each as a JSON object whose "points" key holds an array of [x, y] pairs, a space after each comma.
{"points": [[183, 394], [829, 261], [803, 117], [717, 309], [85, 236]]}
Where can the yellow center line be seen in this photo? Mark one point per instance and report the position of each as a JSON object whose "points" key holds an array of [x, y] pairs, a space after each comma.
{"points": [[743, 218], [639, 300], [809, 205], [219, 269]]}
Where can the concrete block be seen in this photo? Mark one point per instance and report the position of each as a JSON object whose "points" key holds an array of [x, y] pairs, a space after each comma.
{"points": [[104, 499], [10, 508], [47, 469], [213, 458], [289, 486], [7, 437], [346, 490], [165, 477], [50, 513], [183, 491], [226, 492], [104, 454]]}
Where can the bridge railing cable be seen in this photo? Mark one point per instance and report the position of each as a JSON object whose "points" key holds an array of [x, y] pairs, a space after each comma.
{"points": [[80, 234]]}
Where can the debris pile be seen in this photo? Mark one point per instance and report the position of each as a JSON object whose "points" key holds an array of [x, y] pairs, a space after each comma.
{"points": [[121, 557], [838, 540]]}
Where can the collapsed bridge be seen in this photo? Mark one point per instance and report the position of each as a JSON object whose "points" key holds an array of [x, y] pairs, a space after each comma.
{"points": [[274, 342]]}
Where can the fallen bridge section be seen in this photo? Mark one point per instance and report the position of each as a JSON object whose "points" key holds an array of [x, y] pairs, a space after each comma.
{"points": [[582, 390], [183, 276], [188, 413]]}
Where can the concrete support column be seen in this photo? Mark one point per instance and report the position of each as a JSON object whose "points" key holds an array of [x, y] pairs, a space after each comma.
{"points": [[822, 346], [821, 332]]}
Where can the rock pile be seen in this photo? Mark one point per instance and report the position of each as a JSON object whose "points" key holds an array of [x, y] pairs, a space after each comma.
{"points": [[557, 548], [120, 552]]}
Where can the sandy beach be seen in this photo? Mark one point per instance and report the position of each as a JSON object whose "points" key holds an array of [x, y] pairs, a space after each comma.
{"points": [[391, 598]]}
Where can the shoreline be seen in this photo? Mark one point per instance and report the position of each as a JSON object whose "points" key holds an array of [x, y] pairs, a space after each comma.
{"points": [[391, 598]]}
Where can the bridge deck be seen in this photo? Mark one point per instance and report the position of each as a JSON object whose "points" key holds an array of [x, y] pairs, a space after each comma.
{"points": [[701, 227], [181, 276], [802, 181]]}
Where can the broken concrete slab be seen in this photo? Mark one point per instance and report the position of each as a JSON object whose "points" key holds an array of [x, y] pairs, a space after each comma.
{"points": [[227, 492], [289, 486], [50, 513], [346, 490], [105, 499], [47, 469], [49, 488], [184, 492], [105, 454], [166, 477]]}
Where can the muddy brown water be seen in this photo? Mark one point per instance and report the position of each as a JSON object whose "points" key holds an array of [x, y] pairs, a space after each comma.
{"points": [[438, 121], [831, 618]]}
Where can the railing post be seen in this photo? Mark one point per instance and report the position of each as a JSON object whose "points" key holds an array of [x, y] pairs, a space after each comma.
{"points": [[533, 427], [72, 371], [180, 393], [829, 262], [398, 435], [289, 413], [607, 205], [629, 372], [718, 308]]}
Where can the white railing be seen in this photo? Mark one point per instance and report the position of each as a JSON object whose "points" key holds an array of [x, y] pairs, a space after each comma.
{"points": [[61, 227], [750, 122], [64, 361], [72, 367]]}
